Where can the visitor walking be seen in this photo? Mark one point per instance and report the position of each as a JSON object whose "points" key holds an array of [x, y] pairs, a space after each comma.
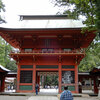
{"points": [[66, 94], [36, 89]]}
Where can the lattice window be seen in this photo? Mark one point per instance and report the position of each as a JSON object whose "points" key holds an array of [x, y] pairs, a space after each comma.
{"points": [[26, 76], [47, 50], [28, 50], [67, 49], [47, 43]]}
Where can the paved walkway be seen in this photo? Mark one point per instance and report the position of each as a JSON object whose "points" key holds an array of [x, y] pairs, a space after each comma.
{"points": [[55, 98], [43, 98], [4, 97], [86, 98]]}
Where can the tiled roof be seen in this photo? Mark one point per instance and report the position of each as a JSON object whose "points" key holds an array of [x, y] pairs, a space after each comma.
{"points": [[3, 68]]}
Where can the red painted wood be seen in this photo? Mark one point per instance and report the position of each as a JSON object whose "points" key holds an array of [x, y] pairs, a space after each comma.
{"points": [[60, 75], [95, 85], [18, 78], [3, 84], [59, 39], [26, 69], [34, 76], [76, 78], [37, 33], [68, 69], [39, 69], [25, 83]]}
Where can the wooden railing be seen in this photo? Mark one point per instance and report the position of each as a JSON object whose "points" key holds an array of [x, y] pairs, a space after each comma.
{"points": [[55, 52]]}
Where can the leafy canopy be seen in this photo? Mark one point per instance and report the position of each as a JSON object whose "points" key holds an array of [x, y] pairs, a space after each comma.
{"points": [[5, 59], [1, 9], [90, 9]]}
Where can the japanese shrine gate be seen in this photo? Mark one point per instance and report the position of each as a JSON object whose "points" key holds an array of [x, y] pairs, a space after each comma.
{"points": [[47, 50]]}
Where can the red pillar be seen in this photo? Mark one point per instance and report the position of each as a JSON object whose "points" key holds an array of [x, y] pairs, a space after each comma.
{"points": [[3, 84], [95, 85], [76, 78], [38, 81], [60, 75], [18, 78], [34, 75]]}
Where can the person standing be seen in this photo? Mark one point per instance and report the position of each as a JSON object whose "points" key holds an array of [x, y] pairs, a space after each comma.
{"points": [[80, 87], [66, 94], [36, 89]]}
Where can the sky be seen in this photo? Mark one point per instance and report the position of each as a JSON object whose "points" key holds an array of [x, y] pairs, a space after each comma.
{"points": [[14, 8]]}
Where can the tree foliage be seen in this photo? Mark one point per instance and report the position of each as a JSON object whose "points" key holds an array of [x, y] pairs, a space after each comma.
{"points": [[92, 58], [51, 80], [5, 60], [98, 15], [90, 9], [1, 9], [5, 48]]}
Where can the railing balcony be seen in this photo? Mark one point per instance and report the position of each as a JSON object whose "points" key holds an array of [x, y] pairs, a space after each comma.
{"points": [[53, 52]]}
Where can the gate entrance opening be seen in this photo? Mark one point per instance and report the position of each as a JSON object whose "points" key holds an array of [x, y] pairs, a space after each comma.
{"points": [[47, 49], [48, 82]]}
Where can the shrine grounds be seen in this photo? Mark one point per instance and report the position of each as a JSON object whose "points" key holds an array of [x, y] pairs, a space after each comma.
{"points": [[5, 97], [45, 94]]}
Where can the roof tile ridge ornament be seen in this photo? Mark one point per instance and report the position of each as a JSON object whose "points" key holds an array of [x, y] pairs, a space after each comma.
{"points": [[21, 18]]}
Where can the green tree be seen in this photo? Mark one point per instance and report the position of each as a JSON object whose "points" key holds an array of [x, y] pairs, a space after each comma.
{"points": [[1, 51], [90, 9], [5, 48], [51, 80], [92, 58], [2, 9], [11, 64], [5, 59]]}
